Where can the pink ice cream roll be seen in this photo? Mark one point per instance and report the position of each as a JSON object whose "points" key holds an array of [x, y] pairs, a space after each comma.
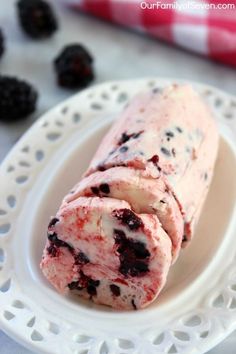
{"points": [[120, 228], [100, 249]]}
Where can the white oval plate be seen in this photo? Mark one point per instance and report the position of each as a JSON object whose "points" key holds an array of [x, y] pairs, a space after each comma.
{"points": [[197, 307]]}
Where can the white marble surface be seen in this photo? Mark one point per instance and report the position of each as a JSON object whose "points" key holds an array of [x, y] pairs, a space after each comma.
{"points": [[119, 54]]}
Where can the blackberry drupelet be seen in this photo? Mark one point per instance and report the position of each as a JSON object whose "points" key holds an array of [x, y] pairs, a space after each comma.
{"points": [[1, 43], [74, 67], [17, 98], [128, 218], [36, 18]]}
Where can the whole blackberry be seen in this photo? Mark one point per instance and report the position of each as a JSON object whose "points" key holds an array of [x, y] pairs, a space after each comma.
{"points": [[74, 67], [1, 43], [17, 98], [36, 18]]}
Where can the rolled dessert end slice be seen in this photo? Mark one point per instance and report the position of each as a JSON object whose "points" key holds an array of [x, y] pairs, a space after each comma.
{"points": [[144, 194], [100, 249]]}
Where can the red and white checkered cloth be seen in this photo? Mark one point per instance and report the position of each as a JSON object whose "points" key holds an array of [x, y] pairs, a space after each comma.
{"points": [[208, 31]]}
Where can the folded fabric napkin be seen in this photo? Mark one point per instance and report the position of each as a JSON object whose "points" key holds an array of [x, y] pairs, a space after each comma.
{"points": [[207, 27]]}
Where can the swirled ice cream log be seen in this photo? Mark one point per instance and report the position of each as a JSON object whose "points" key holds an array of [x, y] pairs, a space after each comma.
{"points": [[119, 229], [100, 249]]}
